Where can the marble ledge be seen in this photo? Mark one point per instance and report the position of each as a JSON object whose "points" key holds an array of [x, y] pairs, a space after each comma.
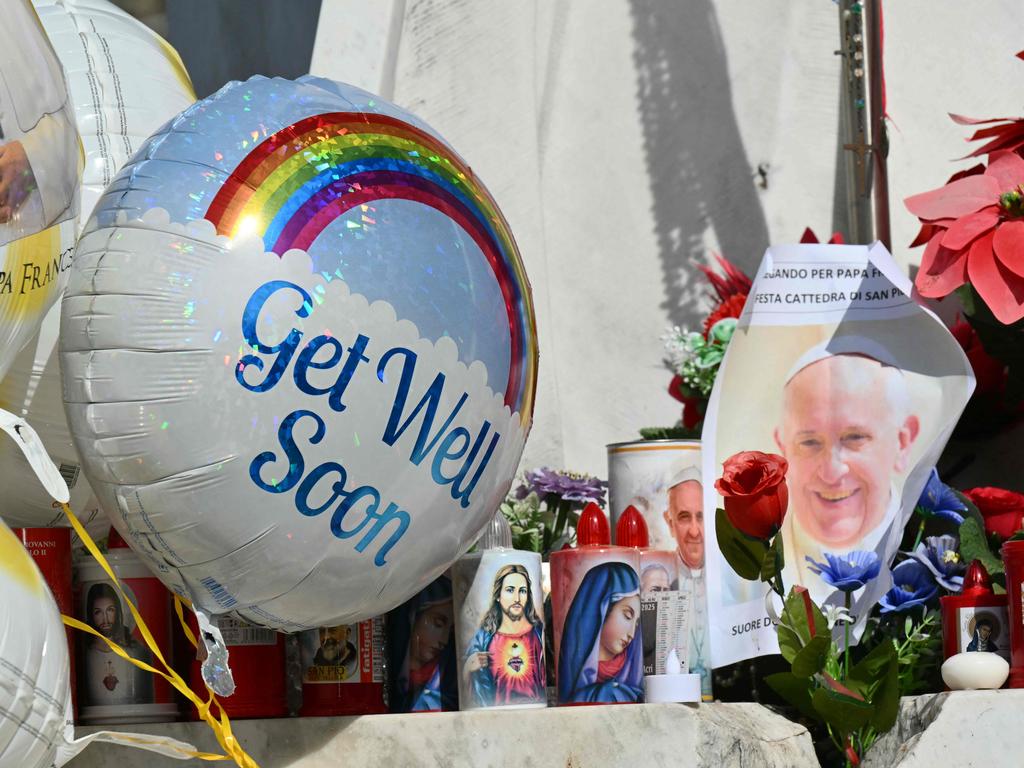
{"points": [[630, 736]]}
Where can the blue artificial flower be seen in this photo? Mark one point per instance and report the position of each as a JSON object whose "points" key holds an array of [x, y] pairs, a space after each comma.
{"points": [[848, 572], [912, 586], [938, 500], [940, 556]]}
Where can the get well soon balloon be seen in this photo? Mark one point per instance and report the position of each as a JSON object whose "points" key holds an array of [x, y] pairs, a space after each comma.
{"points": [[298, 353]]}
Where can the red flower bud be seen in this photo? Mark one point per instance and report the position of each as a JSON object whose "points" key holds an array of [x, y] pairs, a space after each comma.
{"points": [[1003, 510], [753, 485]]}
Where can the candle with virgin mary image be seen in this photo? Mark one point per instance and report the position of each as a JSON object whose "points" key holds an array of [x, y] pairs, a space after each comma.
{"points": [[422, 673], [595, 601]]}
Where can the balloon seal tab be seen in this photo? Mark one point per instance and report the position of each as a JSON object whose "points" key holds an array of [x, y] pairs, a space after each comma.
{"points": [[35, 453], [216, 672]]}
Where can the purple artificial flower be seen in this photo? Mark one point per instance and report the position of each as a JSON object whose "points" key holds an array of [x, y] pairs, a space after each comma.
{"points": [[848, 572], [569, 486], [938, 500], [912, 586], [940, 556]]}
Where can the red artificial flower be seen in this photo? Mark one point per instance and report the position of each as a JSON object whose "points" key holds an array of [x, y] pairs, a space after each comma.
{"points": [[734, 282], [753, 485], [809, 237], [1003, 510], [693, 413], [989, 372], [979, 236], [1004, 134], [730, 307]]}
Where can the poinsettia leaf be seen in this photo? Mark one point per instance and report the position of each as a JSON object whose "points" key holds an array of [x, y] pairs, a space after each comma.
{"points": [[956, 199], [974, 546], [744, 554], [795, 690], [812, 657], [844, 714]]}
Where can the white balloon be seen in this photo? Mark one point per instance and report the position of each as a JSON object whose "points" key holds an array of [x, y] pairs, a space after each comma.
{"points": [[125, 81], [35, 693]]}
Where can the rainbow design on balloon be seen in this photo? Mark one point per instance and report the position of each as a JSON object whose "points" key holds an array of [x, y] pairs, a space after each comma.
{"points": [[297, 181]]}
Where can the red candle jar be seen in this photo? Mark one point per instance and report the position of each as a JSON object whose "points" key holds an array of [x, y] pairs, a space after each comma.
{"points": [[976, 619], [343, 670], [111, 691], [1013, 559], [257, 660], [50, 548]]}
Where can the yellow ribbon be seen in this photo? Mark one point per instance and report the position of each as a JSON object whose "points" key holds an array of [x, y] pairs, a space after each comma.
{"points": [[221, 727]]}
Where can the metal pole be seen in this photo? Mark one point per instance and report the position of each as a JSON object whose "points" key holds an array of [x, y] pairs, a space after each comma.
{"points": [[878, 134], [857, 167]]}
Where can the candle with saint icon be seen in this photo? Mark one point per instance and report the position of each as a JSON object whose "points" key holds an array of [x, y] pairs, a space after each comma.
{"points": [[112, 690], [499, 621]]}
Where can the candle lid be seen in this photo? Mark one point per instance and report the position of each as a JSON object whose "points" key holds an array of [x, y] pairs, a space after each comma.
{"points": [[592, 529], [631, 530], [976, 580], [497, 534]]}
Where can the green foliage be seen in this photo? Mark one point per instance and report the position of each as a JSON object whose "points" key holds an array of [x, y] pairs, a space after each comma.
{"points": [[810, 660], [974, 546], [843, 714], [774, 560], [670, 433], [744, 554], [527, 521]]}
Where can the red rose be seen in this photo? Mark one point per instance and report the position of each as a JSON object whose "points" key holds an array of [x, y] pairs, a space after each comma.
{"points": [[753, 485], [1003, 510]]}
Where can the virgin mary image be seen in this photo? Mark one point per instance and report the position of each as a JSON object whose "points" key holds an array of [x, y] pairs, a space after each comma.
{"points": [[601, 659], [421, 651]]}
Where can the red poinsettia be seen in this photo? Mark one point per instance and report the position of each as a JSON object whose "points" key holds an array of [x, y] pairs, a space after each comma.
{"points": [[1003, 133], [809, 237], [978, 235], [732, 288]]}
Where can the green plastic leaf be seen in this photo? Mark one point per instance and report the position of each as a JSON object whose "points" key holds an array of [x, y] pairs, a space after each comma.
{"points": [[844, 714], [789, 643], [974, 546], [744, 554], [774, 560], [972, 508], [795, 690], [812, 657], [794, 615], [877, 676]]}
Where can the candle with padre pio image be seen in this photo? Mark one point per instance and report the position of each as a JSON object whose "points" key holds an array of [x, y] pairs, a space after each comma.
{"points": [[499, 624], [343, 669], [422, 674], [595, 601], [664, 610]]}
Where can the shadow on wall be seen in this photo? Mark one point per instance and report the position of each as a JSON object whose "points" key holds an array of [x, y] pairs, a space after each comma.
{"points": [[699, 173]]}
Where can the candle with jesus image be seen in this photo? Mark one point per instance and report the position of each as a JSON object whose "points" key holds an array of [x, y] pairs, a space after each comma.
{"points": [[499, 624]]}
